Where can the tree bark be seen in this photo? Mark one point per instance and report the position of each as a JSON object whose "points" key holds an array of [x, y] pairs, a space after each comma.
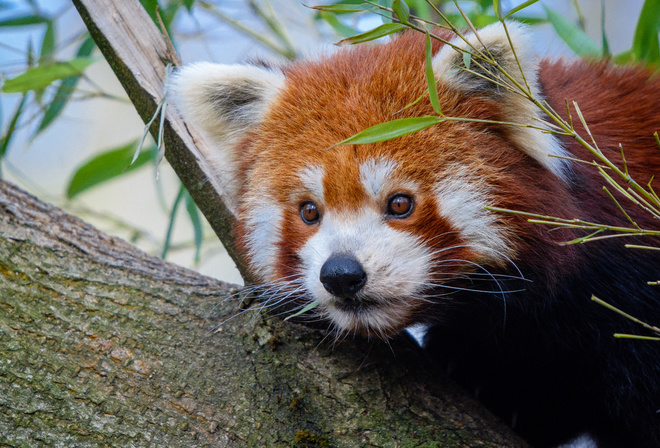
{"points": [[102, 345]]}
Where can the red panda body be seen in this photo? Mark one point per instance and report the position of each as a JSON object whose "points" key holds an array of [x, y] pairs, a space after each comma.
{"points": [[395, 233]]}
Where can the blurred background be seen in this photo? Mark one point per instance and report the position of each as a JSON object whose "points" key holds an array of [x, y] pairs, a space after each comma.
{"points": [[68, 140]]}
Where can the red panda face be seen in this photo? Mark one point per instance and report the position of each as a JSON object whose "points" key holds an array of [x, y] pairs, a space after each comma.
{"points": [[355, 246], [373, 233]]}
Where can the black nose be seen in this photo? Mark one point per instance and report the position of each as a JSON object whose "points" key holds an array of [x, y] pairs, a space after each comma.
{"points": [[342, 276]]}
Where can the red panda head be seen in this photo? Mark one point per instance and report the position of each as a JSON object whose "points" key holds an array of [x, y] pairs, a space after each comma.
{"points": [[373, 233]]}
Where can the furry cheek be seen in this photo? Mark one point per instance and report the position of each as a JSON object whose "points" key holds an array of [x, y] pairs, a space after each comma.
{"points": [[461, 201], [262, 223]]}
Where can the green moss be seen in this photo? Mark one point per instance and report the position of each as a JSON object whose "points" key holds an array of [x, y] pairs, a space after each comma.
{"points": [[295, 403], [306, 439]]}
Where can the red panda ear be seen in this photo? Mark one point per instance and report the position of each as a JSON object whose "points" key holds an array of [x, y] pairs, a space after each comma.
{"points": [[225, 102], [513, 55]]}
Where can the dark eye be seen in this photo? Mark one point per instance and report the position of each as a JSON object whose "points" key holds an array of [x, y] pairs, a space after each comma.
{"points": [[309, 212], [399, 205]]}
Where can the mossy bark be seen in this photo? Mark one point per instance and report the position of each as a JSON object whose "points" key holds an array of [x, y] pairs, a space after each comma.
{"points": [[102, 345]]}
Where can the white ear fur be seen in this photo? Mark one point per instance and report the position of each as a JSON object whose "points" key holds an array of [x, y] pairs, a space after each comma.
{"points": [[224, 102], [448, 65]]}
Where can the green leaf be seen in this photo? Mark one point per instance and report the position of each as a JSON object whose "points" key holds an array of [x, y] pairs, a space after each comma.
{"points": [[606, 44], [430, 76], [530, 20], [402, 11], [167, 14], [625, 57], [520, 7], [193, 214], [64, 91], [497, 9], [391, 129], [385, 15], [188, 4], [9, 133], [105, 167], [307, 307], [48, 44], [570, 33], [23, 20], [43, 75], [336, 24], [467, 59], [384, 30], [170, 225], [645, 43], [344, 8], [421, 9]]}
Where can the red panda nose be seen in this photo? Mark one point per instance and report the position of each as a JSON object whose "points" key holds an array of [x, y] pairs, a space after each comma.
{"points": [[342, 276]]}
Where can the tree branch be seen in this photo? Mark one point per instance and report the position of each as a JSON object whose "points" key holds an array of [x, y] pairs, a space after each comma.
{"points": [[102, 345], [138, 53]]}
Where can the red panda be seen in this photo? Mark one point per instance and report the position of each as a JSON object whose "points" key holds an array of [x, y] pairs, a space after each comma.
{"points": [[386, 235]]}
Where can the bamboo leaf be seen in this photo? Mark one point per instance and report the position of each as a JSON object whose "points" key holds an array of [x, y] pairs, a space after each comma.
{"points": [[430, 77], [9, 133], [23, 20], [64, 91], [391, 129], [605, 44], [308, 307], [529, 20], [105, 167], [383, 30], [402, 10], [43, 75], [625, 57], [421, 9], [340, 28], [570, 33], [645, 43], [195, 220], [520, 7], [467, 59], [48, 43], [385, 14], [497, 9], [343, 8], [170, 225]]}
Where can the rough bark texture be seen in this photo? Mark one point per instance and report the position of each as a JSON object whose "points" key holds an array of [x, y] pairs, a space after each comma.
{"points": [[102, 345]]}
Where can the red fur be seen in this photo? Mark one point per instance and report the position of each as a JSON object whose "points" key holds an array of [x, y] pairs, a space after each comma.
{"points": [[329, 100]]}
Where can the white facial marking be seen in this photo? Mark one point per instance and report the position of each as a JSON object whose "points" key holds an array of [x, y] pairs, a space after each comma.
{"points": [[312, 179], [224, 102], [264, 220], [397, 265], [374, 175], [461, 201]]}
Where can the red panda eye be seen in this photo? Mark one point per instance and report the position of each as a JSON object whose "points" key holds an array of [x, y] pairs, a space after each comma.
{"points": [[400, 205], [309, 212]]}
